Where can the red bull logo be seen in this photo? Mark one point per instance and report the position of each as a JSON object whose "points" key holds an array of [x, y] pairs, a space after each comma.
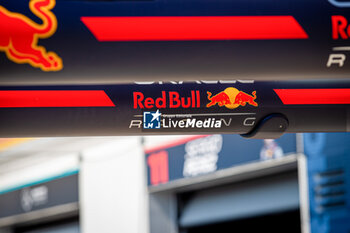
{"points": [[231, 98], [171, 99], [19, 36]]}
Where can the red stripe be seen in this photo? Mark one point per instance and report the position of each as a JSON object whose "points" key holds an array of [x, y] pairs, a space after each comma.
{"points": [[169, 28], [29, 99], [314, 96]]}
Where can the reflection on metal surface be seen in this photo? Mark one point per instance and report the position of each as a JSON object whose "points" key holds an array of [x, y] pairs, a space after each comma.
{"points": [[339, 3]]}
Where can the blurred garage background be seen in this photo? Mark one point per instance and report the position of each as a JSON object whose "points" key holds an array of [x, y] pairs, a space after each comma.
{"points": [[177, 184]]}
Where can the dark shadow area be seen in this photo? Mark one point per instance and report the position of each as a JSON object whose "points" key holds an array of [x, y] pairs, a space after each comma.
{"points": [[281, 222], [66, 225]]}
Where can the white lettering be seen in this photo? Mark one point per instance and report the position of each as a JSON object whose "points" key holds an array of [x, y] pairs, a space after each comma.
{"points": [[206, 123], [181, 124], [190, 123], [250, 121], [135, 123], [336, 59], [218, 124], [198, 82], [194, 123], [199, 124], [227, 123]]}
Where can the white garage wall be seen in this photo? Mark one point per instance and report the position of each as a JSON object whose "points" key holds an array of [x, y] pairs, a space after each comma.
{"points": [[112, 178], [35, 168], [43, 158], [113, 191]]}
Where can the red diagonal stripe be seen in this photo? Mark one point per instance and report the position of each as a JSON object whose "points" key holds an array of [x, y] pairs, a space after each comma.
{"points": [[28, 99], [172, 28], [314, 96]]}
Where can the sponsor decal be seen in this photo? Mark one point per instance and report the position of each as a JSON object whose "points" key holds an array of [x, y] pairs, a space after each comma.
{"points": [[196, 82], [231, 98], [340, 27], [340, 32], [19, 36], [194, 123], [168, 99], [336, 59], [34, 197], [151, 120], [157, 120], [202, 155]]}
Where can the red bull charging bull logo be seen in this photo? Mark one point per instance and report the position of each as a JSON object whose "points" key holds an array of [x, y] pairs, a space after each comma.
{"points": [[232, 98], [19, 36]]}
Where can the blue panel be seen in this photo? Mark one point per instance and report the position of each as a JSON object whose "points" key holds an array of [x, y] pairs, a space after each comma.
{"points": [[329, 181]]}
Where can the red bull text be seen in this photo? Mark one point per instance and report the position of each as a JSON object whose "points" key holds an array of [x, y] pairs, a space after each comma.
{"points": [[168, 99]]}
